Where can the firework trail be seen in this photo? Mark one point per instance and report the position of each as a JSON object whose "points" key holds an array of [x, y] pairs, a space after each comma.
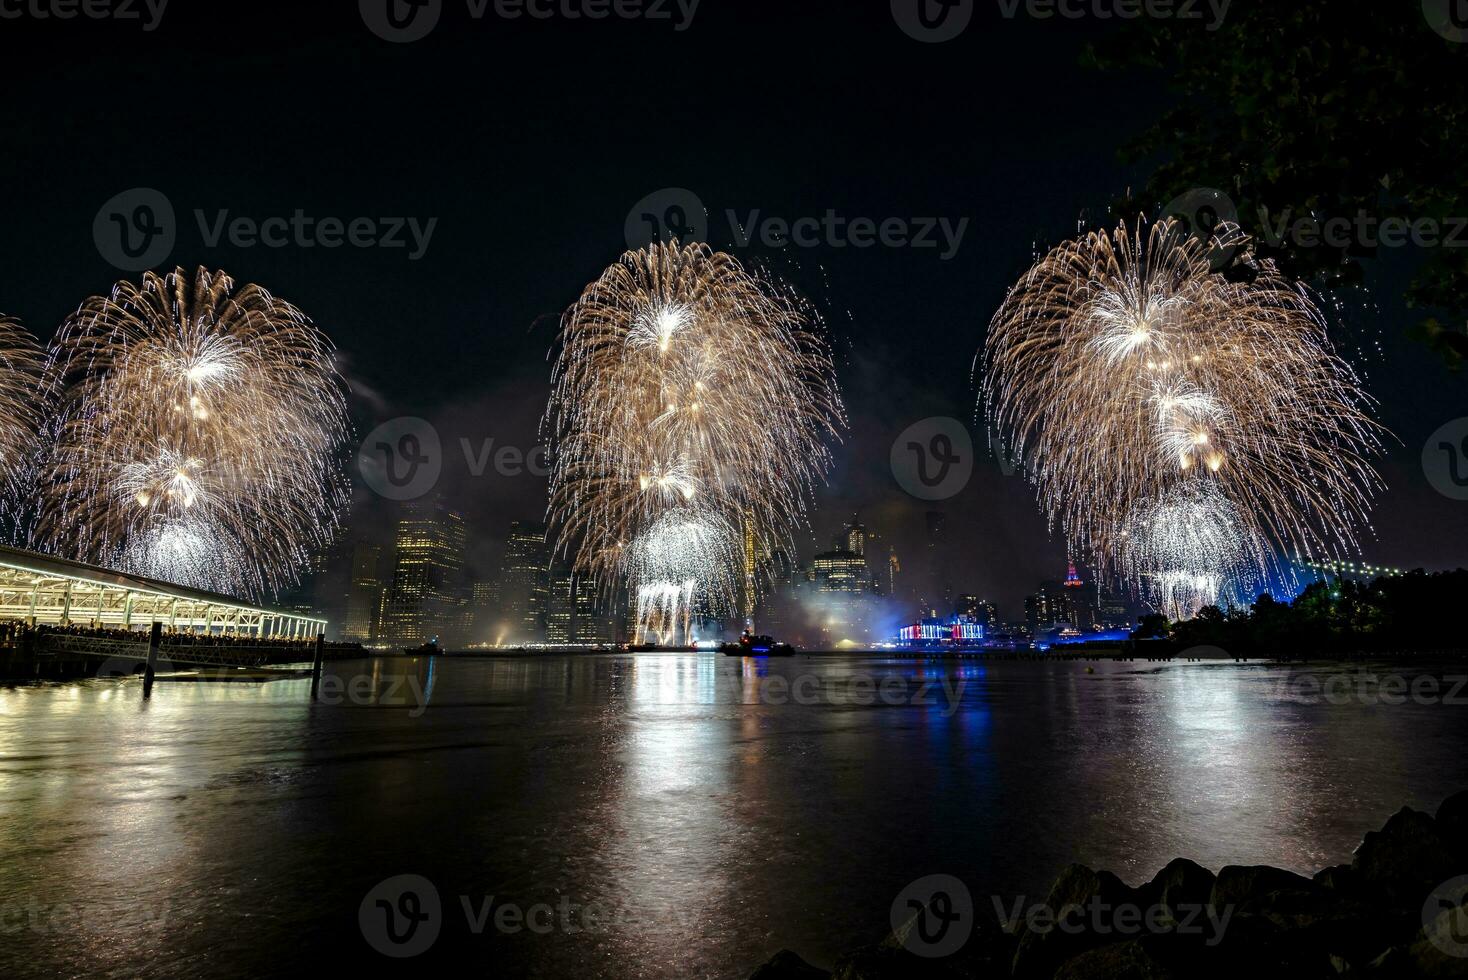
{"points": [[21, 361], [197, 435], [691, 401], [1180, 426]]}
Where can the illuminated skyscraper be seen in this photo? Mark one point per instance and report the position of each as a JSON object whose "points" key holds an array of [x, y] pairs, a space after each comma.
{"points": [[484, 605], [364, 594], [1052, 606], [427, 596], [575, 615], [843, 594], [560, 605], [524, 583], [1083, 598]]}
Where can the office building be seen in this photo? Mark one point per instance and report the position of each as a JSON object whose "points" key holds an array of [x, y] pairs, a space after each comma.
{"points": [[427, 595], [525, 583], [364, 594]]}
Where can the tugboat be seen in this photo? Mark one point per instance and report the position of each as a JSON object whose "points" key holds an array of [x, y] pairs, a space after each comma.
{"points": [[750, 645]]}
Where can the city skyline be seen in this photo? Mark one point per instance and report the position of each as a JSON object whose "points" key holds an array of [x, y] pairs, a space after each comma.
{"points": [[841, 595]]}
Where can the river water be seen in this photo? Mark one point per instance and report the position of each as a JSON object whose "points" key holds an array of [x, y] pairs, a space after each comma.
{"points": [[657, 815]]}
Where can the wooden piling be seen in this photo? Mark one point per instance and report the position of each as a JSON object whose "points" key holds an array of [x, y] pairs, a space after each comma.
{"points": [[155, 640], [316, 666]]}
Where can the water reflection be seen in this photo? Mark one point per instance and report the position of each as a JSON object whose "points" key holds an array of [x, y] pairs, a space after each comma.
{"points": [[715, 808]]}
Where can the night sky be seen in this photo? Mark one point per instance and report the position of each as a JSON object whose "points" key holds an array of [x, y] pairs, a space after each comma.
{"points": [[530, 141]]}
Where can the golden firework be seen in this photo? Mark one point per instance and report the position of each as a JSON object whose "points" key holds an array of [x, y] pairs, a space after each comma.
{"points": [[1137, 383], [690, 400], [197, 434]]}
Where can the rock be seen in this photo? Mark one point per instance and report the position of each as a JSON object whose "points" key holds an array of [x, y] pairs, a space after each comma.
{"points": [[1452, 815], [1183, 884], [1238, 884], [1131, 960], [877, 963], [1452, 827], [1338, 878], [1406, 859], [1331, 925], [985, 953], [787, 965], [1394, 962], [1079, 900], [883, 962], [1440, 946]]}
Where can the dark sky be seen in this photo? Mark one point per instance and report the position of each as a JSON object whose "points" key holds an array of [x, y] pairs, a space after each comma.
{"points": [[530, 140]]}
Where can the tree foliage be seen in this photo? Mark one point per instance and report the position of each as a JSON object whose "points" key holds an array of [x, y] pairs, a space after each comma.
{"points": [[1316, 110]]}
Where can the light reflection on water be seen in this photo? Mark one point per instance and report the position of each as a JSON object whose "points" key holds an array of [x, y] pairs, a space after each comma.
{"points": [[690, 800]]}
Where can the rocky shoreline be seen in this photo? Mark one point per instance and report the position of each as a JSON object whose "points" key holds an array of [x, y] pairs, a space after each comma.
{"points": [[1397, 910]]}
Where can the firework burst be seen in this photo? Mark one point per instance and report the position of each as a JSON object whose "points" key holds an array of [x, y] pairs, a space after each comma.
{"points": [[691, 403], [21, 361], [197, 435], [1178, 425]]}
